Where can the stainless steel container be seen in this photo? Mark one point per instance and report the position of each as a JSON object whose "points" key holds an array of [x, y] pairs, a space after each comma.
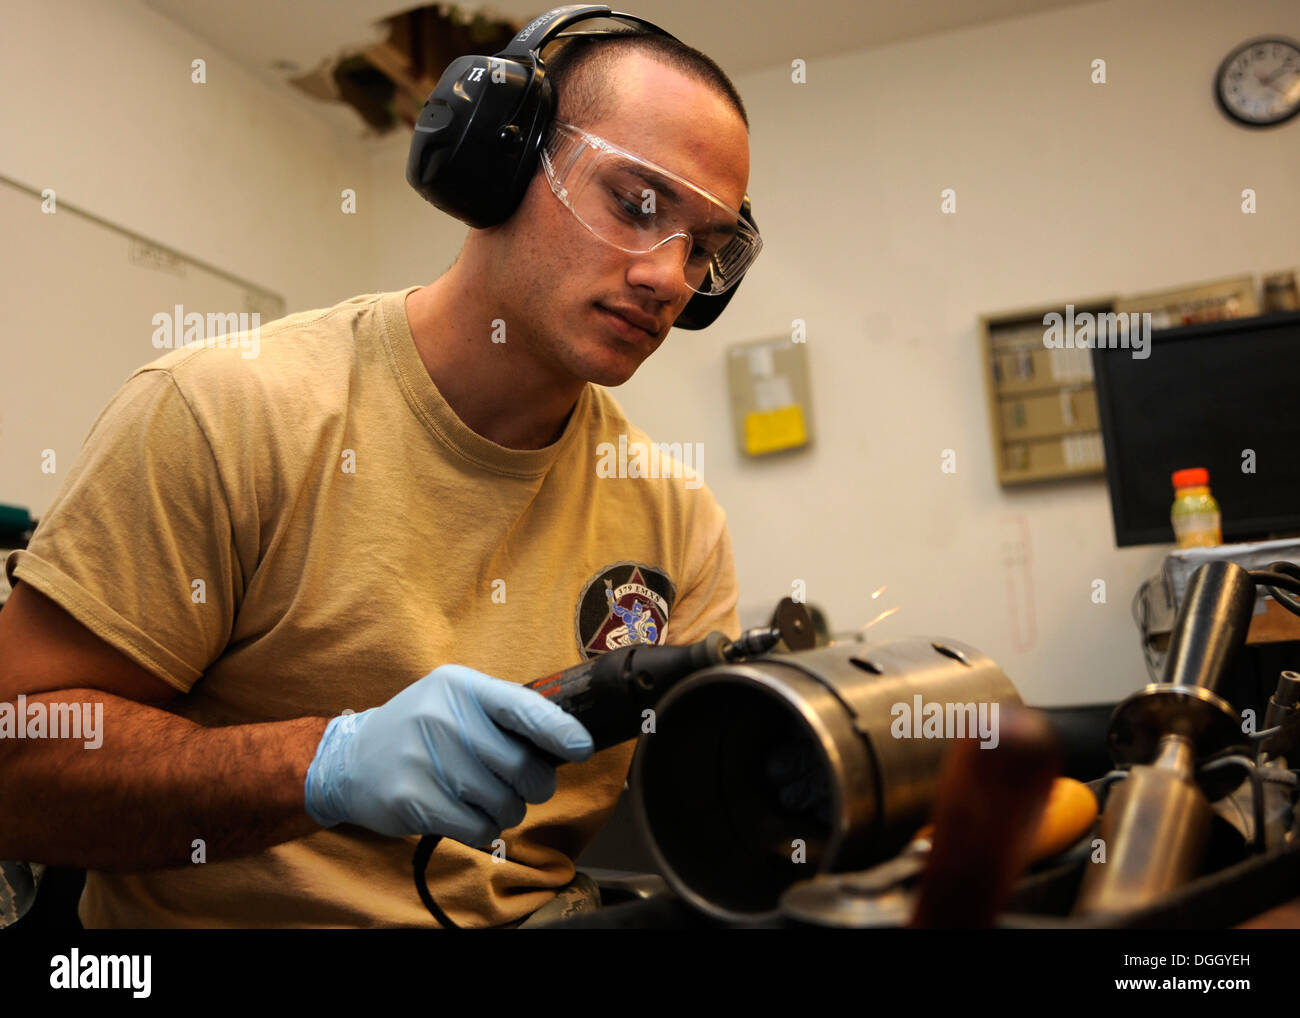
{"points": [[761, 774]]}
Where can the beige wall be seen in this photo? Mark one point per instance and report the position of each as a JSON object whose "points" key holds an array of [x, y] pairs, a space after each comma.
{"points": [[1065, 189], [96, 102]]}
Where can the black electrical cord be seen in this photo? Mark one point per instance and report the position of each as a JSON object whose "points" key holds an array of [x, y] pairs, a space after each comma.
{"points": [[1274, 577], [420, 863], [1282, 581]]}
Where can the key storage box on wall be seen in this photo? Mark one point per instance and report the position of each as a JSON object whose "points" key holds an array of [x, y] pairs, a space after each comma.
{"points": [[1042, 397], [1042, 403]]}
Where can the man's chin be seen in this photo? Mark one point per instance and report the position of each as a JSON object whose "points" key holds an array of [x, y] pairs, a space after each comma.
{"points": [[609, 375], [612, 363]]}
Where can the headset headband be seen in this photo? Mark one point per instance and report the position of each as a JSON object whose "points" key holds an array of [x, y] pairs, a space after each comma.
{"points": [[545, 28]]}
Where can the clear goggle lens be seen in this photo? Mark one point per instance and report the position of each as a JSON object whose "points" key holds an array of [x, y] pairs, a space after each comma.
{"points": [[640, 207]]}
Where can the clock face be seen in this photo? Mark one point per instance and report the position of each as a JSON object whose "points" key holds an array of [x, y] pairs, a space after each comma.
{"points": [[1258, 83]]}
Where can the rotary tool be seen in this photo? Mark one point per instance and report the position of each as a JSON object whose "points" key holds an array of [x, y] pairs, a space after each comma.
{"points": [[609, 694]]}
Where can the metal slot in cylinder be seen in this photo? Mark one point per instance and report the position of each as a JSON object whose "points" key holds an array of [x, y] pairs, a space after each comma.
{"points": [[762, 774]]}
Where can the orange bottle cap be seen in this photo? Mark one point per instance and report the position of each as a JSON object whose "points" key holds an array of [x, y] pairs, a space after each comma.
{"points": [[1194, 477]]}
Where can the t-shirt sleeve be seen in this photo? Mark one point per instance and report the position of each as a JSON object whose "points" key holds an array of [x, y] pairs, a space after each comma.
{"points": [[709, 601], [137, 544]]}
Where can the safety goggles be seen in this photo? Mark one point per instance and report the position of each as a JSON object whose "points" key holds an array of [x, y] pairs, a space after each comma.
{"points": [[638, 207]]}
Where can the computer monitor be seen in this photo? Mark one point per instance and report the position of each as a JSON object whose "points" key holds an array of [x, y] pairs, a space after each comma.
{"points": [[1207, 395]]}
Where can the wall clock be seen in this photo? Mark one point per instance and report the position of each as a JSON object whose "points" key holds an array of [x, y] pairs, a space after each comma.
{"points": [[1258, 83]]}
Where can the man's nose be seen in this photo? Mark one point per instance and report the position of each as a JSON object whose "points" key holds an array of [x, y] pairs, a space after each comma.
{"points": [[663, 269]]}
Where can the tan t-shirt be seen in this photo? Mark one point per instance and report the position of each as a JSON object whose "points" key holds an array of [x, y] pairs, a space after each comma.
{"points": [[313, 529]]}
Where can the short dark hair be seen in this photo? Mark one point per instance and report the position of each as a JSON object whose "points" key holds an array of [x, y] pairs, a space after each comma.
{"points": [[580, 67]]}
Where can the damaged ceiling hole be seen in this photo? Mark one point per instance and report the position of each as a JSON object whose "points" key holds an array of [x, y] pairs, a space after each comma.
{"points": [[388, 82]]}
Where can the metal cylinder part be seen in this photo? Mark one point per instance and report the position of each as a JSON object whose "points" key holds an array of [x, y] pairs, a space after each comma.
{"points": [[1142, 721], [761, 774], [1211, 625], [1287, 693], [1156, 824], [1155, 830], [1282, 705]]}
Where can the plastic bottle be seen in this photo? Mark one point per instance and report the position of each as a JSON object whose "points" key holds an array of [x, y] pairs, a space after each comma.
{"points": [[1195, 516]]}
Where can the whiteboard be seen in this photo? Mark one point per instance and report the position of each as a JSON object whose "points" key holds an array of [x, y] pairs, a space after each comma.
{"points": [[78, 297]]}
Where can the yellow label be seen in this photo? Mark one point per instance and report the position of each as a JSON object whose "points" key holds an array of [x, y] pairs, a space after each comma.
{"points": [[773, 430]]}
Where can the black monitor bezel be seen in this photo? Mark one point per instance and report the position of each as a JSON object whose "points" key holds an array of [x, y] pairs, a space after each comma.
{"points": [[1127, 535]]}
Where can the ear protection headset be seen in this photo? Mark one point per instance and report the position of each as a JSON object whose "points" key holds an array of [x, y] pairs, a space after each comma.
{"points": [[477, 140]]}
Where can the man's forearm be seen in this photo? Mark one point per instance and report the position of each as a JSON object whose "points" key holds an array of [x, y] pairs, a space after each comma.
{"points": [[156, 785]]}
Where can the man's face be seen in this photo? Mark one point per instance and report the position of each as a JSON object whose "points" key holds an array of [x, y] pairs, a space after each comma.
{"points": [[570, 288]]}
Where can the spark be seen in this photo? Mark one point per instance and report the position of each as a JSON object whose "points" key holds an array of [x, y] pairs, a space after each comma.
{"points": [[883, 615]]}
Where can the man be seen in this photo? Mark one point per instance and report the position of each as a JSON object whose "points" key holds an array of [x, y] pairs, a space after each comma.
{"points": [[253, 563]]}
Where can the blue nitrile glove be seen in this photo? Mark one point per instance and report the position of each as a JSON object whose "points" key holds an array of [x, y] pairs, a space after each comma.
{"points": [[452, 754]]}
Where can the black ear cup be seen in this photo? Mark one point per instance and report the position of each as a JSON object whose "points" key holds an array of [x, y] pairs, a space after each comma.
{"points": [[476, 141], [703, 309]]}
